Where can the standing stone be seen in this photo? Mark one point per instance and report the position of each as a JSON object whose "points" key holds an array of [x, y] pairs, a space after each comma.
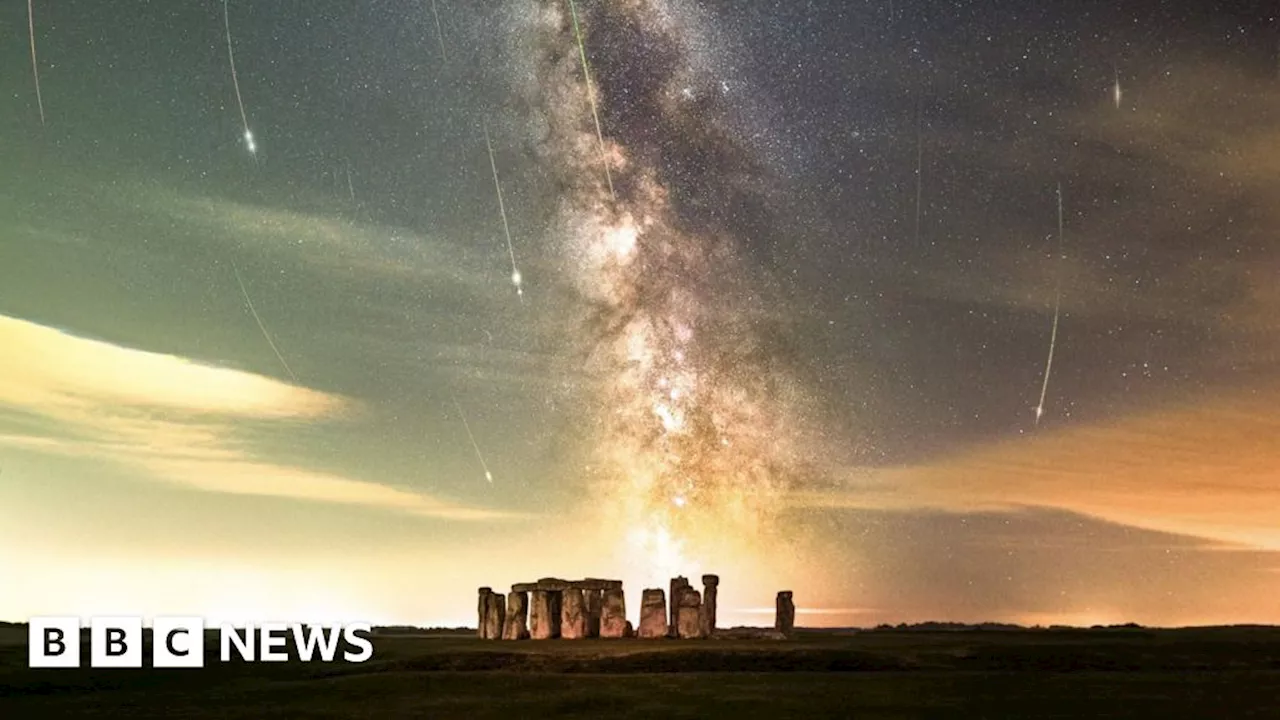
{"points": [[541, 626], [556, 598], [653, 613], [687, 615], [613, 615], [494, 616], [573, 615], [516, 626], [630, 632], [595, 605], [678, 584], [786, 619], [707, 617], [482, 609]]}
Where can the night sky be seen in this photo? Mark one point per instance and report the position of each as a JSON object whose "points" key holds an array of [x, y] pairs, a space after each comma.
{"points": [[801, 343]]}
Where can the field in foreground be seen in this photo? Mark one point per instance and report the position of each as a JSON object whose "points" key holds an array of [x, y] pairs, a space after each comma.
{"points": [[1200, 673]]}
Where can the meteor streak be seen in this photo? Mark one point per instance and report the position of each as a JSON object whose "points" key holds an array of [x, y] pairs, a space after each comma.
{"points": [[479, 456], [1116, 90], [591, 97], [1057, 307], [235, 80], [439, 32], [516, 279], [261, 327], [35, 67]]}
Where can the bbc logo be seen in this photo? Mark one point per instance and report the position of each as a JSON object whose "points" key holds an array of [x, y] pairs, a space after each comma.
{"points": [[178, 642]]}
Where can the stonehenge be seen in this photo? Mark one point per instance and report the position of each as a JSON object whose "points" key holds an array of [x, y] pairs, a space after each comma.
{"points": [[595, 608]]}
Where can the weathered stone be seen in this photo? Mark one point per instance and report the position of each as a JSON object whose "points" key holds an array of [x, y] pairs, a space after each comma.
{"points": [[653, 613], [707, 614], [678, 585], [558, 584], [613, 615], [785, 621], [482, 609], [687, 614], [516, 626], [557, 607], [573, 615], [598, 584], [494, 616], [544, 614], [595, 599], [630, 631]]}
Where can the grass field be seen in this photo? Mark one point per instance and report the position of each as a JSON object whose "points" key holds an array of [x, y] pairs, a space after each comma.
{"points": [[1200, 673]]}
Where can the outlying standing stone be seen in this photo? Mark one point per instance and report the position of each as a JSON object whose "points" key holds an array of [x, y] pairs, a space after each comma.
{"points": [[653, 613], [687, 614], [707, 615], [516, 626], [786, 618], [613, 615], [573, 615]]}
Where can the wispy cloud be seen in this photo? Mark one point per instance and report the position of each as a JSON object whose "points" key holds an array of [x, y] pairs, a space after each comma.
{"points": [[1209, 469], [175, 420]]}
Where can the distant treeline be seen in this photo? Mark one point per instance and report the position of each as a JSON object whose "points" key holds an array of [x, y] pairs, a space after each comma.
{"points": [[414, 630], [993, 627]]}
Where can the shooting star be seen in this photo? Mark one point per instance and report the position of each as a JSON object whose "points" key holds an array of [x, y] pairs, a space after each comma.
{"points": [[439, 32], [35, 66], [516, 278], [261, 327], [479, 456], [1115, 90], [1057, 308], [591, 97], [235, 80]]}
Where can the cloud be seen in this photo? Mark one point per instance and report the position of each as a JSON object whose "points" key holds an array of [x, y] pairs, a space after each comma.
{"points": [[1209, 469], [175, 420], [50, 372]]}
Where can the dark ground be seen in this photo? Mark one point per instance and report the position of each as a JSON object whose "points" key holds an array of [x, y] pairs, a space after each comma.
{"points": [[1129, 673]]}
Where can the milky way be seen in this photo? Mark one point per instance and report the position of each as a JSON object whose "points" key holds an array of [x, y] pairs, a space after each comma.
{"points": [[694, 441]]}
